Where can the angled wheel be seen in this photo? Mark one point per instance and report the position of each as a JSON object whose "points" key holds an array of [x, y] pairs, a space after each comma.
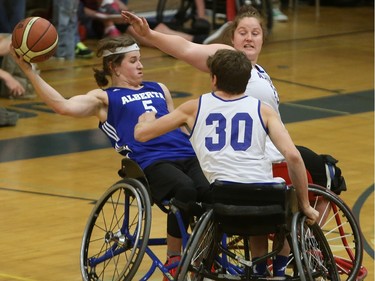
{"points": [[117, 231], [341, 231], [312, 253], [200, 250], [176, 11]]}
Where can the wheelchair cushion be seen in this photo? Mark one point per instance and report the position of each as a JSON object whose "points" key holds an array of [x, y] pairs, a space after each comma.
{"points": [[252, 209], [249, 194]]}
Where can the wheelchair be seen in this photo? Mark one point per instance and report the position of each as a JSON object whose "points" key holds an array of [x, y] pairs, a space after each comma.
{"points": [[338, 224], [244, 210], [341, 230], [117, 234], [182, 11]]}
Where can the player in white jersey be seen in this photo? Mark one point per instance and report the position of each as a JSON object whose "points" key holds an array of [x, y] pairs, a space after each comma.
{"points": [[247, 35], [228, 133], [240, 140]]}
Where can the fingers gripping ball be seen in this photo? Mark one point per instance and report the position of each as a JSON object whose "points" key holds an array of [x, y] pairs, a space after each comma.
{"points": [[35, 39]]}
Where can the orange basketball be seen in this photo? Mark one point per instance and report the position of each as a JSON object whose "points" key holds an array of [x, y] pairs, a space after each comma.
{"points": [[35, 39]]}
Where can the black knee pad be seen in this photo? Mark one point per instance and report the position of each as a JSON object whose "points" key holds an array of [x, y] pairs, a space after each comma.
{"points": [[185, 195]]}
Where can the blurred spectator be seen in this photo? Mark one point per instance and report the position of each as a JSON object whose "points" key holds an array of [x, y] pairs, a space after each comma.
{"points": [[200, 23], [102, 18], [11, 12], [278, 15], [13, 83], [65, 19], [8, 118]]}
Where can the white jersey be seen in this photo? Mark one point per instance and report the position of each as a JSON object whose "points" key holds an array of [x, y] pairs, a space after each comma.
{"points": [[260, 87], [229, 139]]}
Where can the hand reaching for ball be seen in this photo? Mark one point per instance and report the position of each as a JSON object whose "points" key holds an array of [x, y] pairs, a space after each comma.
{"points": [[35, 39]]}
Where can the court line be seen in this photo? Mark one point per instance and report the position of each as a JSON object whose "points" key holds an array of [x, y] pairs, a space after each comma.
{"points": [[49, 194], [13, 277], [356, 32], [335, 112], [357, 210]]}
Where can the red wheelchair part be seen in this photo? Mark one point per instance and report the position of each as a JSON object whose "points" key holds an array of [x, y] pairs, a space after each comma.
{"points": [[281, 170]]}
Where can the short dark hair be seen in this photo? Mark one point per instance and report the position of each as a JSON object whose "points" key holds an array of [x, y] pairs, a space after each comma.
{"points": [[232, 70]]}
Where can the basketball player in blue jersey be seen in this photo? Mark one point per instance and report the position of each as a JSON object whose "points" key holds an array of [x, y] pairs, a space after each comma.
{"points": [[169, 161], [228, 133]]}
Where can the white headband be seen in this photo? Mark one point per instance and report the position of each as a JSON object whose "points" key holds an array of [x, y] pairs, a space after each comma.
{"points": [[121, 50]]}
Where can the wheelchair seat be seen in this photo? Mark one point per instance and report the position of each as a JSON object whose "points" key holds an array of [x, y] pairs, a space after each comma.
{"points": [[131, 169], [253, 209]]}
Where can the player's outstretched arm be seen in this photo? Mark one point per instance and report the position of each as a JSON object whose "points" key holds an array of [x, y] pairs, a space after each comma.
{"points": [[174, 45], [90, 104]]}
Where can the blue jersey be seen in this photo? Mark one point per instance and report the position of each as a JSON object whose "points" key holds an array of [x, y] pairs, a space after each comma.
{"points": [[124, 108]]}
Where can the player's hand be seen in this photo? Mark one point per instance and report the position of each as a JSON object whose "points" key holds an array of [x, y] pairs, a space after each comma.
{"points": [[15, 87], [139, 24], [147, 116], [19, 60], [312, 215]]}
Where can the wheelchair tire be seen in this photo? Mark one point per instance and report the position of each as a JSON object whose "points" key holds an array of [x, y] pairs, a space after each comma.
{"points": [[117, 232], [341, 230], [312, 253], [199, 251]]}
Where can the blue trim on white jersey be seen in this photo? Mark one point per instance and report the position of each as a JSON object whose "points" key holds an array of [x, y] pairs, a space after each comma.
{"points": [[261, 119], [225, 100]]}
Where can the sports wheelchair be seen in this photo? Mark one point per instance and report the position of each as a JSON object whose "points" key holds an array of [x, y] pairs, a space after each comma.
{"points": [[338, 224], [182, 11], [117, 234], [245, 210]]}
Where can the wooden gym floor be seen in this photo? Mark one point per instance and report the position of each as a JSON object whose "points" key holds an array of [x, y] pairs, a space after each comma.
{"points": [[52, 168]]}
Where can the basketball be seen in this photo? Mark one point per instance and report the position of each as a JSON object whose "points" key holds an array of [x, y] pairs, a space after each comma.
{"points": [[35, 39]]}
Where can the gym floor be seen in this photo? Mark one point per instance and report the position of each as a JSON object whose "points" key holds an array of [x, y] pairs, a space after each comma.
{"points": [[53, 167]]}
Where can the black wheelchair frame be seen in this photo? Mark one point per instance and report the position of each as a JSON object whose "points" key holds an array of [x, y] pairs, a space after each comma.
{"points": [[117, 235], [246, 210]]}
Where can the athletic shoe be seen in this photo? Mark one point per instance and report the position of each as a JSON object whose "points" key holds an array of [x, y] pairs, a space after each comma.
{"points": [[109, 9], [221, 35], [82, 51], [8, 118], [112, 32], [174, 260], [278, 15]]}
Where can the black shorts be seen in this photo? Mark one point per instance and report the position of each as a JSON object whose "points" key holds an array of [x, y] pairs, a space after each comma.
{"points": [[183, 177]]}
